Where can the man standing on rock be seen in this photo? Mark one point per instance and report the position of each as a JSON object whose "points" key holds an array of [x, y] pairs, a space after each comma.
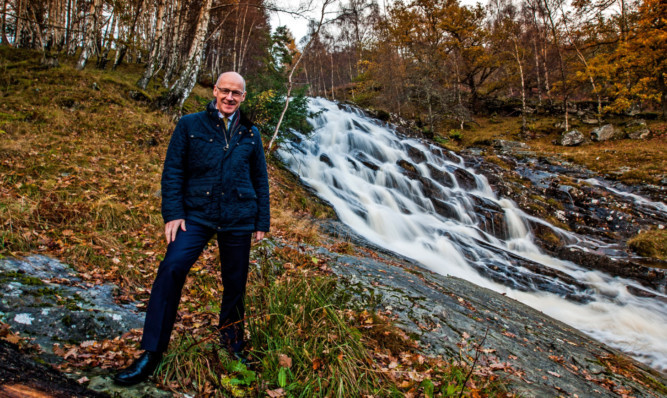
{"points": [[214, 182]]}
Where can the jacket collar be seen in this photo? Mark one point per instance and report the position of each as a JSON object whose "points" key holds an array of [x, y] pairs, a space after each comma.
{"points": [[239, 117]]}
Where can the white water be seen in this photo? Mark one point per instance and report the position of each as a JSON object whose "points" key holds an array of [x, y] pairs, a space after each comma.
{"points": [[373, 196]]}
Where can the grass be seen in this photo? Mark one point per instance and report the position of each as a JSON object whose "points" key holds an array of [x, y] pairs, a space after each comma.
{"points": [[629, 161], [80, 161], [651, 243]]}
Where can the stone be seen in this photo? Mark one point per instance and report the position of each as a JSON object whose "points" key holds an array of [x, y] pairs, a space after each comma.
{"points": [[572, 138], [47, 300], [506, 146], [415, 154], [604, 133], [590, 121], [640, 134], [324, 158]]}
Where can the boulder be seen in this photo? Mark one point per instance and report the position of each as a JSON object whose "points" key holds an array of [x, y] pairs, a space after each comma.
{"points": [[324, 158], [415, 154], [604, 133], [589, 121], [572, 138], [637, 129], [640, 134], [508, 146]]}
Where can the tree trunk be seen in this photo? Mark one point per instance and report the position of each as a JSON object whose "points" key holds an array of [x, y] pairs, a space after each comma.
{"points": [[517, 56], [554, 32], [333, 95], [91, 33], [291, 73], [105, 46], [181, 89], [18, 32], [3, 24], [663, 94], [178, 28], [122, 50], [156, 51], [537, 71]]}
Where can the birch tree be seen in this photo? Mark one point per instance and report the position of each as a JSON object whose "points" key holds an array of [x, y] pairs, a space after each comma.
{"points": [[182, 87]]}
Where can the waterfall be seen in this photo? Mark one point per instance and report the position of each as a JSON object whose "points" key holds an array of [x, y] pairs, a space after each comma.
{"points": [[420, 201]]}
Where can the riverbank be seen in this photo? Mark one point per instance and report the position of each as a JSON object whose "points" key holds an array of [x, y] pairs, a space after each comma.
{"points": [[81, 184]]}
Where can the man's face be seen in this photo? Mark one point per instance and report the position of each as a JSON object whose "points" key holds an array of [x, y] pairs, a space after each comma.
{"points": [[229, 93]]}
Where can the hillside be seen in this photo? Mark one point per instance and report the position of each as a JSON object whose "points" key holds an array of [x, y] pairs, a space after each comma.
{"points": [[80, 162]]}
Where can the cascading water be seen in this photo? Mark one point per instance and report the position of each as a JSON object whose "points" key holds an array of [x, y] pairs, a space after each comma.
{"points": [[421, 202]]}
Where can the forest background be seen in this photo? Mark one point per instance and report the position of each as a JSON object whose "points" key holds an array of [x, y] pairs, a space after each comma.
{"points": [[434, 61]]}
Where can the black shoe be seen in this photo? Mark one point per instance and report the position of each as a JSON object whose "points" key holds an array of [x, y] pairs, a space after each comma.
{"points": [[140, 369]]}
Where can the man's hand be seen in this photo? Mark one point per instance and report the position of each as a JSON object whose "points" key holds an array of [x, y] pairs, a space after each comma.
{"points": [[171, 228], [259, 235]]}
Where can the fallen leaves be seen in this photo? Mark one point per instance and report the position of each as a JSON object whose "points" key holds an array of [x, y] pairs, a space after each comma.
{"points": [[278, 392], [107, 354], [284, 361]]}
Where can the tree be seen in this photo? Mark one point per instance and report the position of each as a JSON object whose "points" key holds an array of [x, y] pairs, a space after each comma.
{"points": [[296, 59], [157, 48], [181, 89]]}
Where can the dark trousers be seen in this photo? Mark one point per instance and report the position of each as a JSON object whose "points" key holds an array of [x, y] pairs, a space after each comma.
{"points": [[166, 293]]}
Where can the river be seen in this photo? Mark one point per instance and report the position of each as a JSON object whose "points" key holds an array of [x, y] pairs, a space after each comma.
{"points": [[359, 166]]}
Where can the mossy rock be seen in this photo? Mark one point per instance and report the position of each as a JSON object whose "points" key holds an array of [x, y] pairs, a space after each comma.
{"points": [[651, 243]]}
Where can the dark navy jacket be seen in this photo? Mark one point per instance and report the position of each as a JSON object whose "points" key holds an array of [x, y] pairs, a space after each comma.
{"points": [[225, 189]]}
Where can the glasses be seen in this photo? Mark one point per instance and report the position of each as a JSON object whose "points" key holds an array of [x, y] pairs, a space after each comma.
{"points": [[225, 92]]}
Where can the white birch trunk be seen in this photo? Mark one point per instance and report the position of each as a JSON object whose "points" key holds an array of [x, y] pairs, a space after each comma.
{"points": [[181, 89]]}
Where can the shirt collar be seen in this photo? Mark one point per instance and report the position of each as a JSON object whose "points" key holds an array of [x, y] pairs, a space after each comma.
{"points": [[230, 118]]}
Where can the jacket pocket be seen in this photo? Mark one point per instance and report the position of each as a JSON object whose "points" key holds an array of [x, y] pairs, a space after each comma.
{"points": [[246, 193], [202, 149], [197, 198], [247, 203]]}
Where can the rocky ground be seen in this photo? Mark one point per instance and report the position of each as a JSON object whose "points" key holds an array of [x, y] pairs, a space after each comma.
{"points": [[580, 203], [536, 354]]}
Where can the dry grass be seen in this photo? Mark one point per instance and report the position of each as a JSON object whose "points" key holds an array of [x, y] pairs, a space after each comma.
{"points": [[630, 161], [652, 243]]}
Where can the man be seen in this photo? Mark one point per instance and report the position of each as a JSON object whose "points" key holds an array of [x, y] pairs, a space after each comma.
{"points": [[214, 182]]}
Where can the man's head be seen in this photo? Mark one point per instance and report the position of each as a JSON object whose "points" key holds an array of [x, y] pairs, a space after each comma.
{"points": [[229, 92]]}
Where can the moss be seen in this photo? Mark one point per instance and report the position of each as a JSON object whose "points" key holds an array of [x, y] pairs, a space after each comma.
{"points": [[498, 161], [24, 279], [555, 203], [652, 243]]}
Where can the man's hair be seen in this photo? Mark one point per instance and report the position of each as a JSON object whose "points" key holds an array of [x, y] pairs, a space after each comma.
{"points": [[232, 72]]}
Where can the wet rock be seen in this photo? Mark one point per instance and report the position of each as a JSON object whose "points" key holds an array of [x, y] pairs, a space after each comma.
{"points": [[445, 209], [445, 154], [443, 178], [572, 138], [407, 166], [415, 154], [605, 133], [649, 277], [363, 159], [543, 357], [492, 216], [465, 179], [324, 158], [45, 299]]}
